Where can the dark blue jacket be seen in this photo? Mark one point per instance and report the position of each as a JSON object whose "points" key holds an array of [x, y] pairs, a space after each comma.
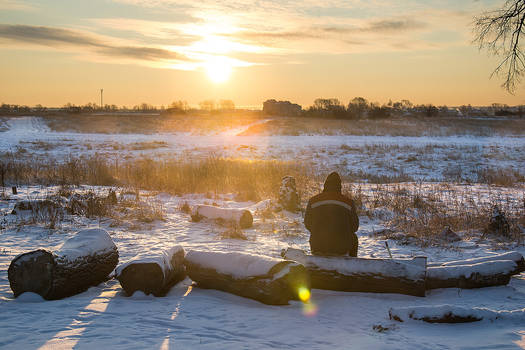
{"points": [[332, 221]]}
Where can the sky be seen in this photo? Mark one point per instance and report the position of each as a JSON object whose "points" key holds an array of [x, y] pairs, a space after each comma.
{"points": [[159, 51]]}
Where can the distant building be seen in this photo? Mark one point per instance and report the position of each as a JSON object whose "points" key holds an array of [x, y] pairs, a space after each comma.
{"points": [[282, 108]]}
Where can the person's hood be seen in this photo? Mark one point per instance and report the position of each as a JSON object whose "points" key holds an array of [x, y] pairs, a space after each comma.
{"points": [[332, 183]]}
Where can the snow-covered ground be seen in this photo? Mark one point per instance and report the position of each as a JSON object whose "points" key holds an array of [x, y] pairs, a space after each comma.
{"points": [[421, 158], [188, 317]]}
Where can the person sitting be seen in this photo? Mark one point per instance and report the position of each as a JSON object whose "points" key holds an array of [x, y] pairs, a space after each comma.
{"points": [[332, 220]]}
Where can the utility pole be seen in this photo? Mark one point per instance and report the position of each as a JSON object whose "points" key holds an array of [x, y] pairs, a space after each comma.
{"points": [[101, 99]]}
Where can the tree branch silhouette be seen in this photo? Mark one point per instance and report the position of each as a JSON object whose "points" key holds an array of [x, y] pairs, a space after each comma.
{"points": [[499, 32]]}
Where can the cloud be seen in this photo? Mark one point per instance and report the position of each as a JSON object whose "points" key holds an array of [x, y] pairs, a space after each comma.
{"points": [[357, 34], [60, 37], [46, 35], [15, 5], [393, 25]]}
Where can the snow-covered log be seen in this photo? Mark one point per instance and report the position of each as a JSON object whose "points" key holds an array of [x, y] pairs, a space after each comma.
{"points": [[476, 275], [83, 261], [268, 280], [514, 256], [453, 314], [242, 217], [153, 274], [363, 275]]}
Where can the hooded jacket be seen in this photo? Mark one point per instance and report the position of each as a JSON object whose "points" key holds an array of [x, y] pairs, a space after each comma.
{"points": [[332, 220]]}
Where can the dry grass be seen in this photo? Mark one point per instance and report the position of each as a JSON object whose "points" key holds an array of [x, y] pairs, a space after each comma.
{"points": [[248, 180], [405, 126], [422, 212], [199, 123], [233, 231], [185, 208], [53, 210]]}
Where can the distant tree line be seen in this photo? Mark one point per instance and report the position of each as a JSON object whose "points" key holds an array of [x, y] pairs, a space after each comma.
{"points": [[176, 107], [359, 108]]}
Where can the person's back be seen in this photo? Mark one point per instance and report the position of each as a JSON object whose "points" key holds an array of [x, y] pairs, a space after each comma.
{"points": [[332, 220]]}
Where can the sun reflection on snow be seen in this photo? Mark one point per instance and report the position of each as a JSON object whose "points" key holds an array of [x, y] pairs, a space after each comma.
{"points": [[310, 309]]}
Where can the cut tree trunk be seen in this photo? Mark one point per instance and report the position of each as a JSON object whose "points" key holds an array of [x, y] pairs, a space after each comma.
{"points": [[154, 274], [468, 276], [241, 217], [350, 274], [268, 280], [514, 256], [453, 314], [84, 260]]}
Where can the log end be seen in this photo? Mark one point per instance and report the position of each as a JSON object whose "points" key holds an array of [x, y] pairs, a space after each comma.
{"points": [[294, 280], [32, 272], [146, 277]]}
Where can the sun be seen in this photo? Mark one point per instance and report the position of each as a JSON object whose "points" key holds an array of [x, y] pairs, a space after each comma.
{"points": [[218, 69]]}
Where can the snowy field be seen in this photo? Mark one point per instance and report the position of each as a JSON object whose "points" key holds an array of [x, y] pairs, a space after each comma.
{"points": [[418, 158], [191, 318]]}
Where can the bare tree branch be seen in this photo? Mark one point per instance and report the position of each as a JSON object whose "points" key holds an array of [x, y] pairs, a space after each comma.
{"points": [[499, 33]]}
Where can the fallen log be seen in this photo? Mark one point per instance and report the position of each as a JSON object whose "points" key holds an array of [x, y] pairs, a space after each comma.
{"points": [[453, 314], [478, 275], [350, 274], [269, 280], [514, 256], [154, 274], [241, 217], [83, 261]]}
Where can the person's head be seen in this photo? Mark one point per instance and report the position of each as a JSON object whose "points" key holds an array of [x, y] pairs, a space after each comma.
{"points": [[332, 183]]}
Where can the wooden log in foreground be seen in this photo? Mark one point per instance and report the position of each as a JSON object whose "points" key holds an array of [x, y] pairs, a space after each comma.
{"points": [[154, 274], [83, 261], [514, 256], [363, 275], [268, 280], [241, 217], [453, 314], [478, 275]]}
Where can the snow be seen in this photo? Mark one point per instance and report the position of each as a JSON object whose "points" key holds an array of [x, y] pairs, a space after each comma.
{"points": [[192, 318], [440, 311], [412, 269], [29, 297], [163, 259], [486, 268], [189, 317], [423, 158], [235, 264], [86, 243]]}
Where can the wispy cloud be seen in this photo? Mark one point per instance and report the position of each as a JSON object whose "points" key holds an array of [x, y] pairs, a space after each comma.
{"points": [[16, 5], [204, 30], [393, 25], [60, 38]]}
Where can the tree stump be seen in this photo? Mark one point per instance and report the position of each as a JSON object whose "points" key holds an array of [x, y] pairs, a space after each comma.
{"points": [[350, 274], [268, 280], [83, 261], [498, 223], [154, 274], [288, 196]]}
